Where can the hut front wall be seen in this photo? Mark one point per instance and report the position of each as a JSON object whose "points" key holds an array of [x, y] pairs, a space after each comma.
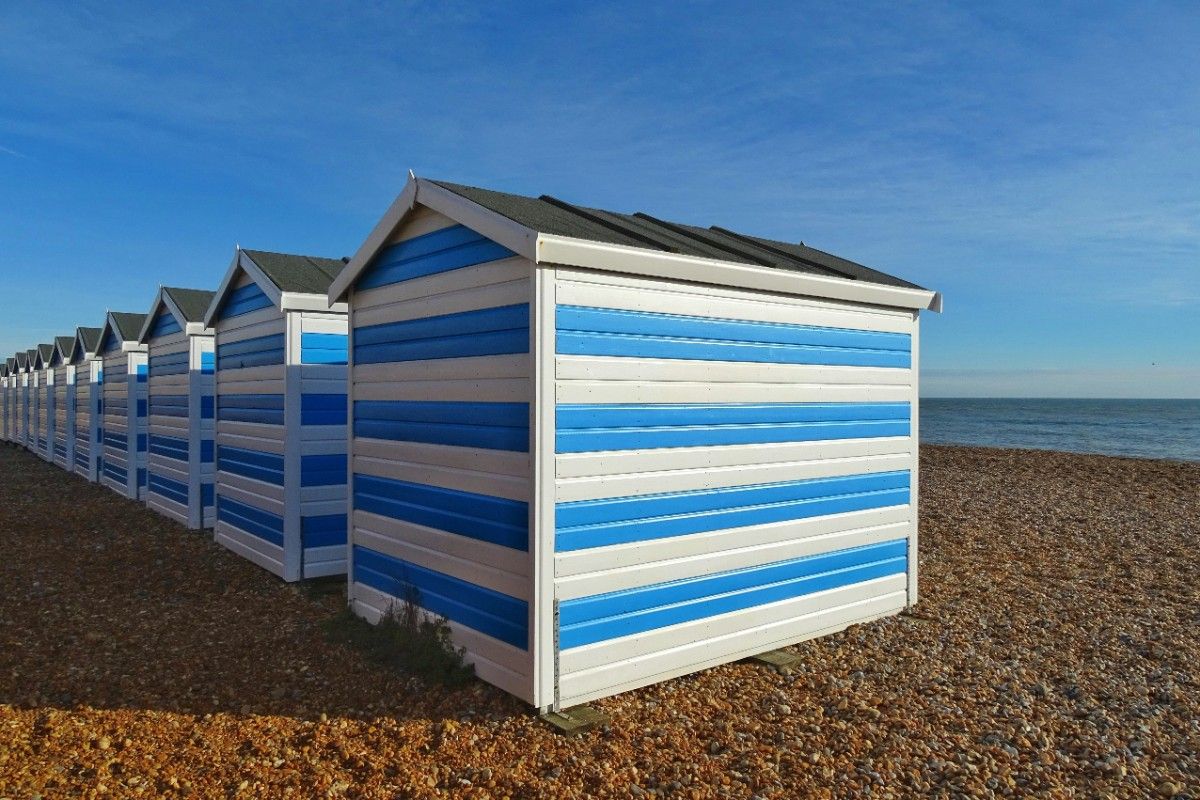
{"points": [[64, 417], [23, 427], [43, 398], [5, 405], [87, 439], [440, 451], [317, 348], [124, 421], [180, 424], [734, 471], [251, 386]]}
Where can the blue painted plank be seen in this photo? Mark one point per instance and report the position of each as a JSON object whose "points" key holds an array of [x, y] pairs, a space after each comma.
{"points": [[490, 612], [261, 351], [488, 331], [164, 324], [169, 405], [323, 348], [169, 447], [595, 523], [588, 620], [255, 521], [163, 486], [490, 426], [254, 464], [592, 428], [207, 404], [322, 409], [206, 494], [323, 470], [489, 519], [170, 364], [208, 362], [443, 250], [326, 530], [243, 300], [264, 409]]}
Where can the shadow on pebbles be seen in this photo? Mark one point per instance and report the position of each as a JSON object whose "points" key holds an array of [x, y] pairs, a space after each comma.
{"points": [[1054, 652]]}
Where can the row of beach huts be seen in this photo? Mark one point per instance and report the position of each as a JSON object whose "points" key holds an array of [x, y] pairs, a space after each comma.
{"points": [[608, 448]]}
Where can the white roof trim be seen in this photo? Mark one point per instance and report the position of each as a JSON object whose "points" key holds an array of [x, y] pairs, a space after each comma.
{"points": [[554, 250], [654, 263], [164, 298], [242, 262]]}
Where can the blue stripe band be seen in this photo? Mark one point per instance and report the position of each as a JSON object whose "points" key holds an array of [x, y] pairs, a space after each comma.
{"points": [[490, 426], [264, 409], [595, 523], [166, 487], [323, 470], [254, 464], [261, 351], [164, 324], [169, 447], [323, 348], [443, 250], [590, 428], [322, 409], [243, 300], [255, 521], [489, 519], [490, 612], [170, 364], [327, 530], [584, 330], [484, 332], [587, 620]]}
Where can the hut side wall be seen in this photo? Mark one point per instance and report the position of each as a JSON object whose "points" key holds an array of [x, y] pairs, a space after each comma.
{"points": [[180, 424], [23, 428], [124, 420], [43, 415], [733, 471], [316, 474], [64, 417], [87, 418], [441, 395], [251, 384]]}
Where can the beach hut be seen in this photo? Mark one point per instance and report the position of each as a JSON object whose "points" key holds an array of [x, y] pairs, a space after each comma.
{"points": [[5, 370], [24, 404], [612, 449], [89, 376], [63, 424], [180, 425], [281, 414], [43, 400], [123, 417]]}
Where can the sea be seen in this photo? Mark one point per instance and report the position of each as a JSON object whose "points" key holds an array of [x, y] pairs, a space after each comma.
{"points": [[1167, 429]]}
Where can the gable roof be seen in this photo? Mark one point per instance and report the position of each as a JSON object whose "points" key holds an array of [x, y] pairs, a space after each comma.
{"points": [[44, 353], [23, 360], [192, 303], [296, 273], [291, 282], [11, 364], [89, 338], [63, 345], [125, 324], [547, 230], [186, 306]]}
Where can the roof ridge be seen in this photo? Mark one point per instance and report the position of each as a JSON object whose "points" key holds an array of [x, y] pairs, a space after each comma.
{"points": [[607, 223]]}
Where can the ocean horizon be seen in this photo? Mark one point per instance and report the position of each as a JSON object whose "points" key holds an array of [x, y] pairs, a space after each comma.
{"points": [[1141, 428]]}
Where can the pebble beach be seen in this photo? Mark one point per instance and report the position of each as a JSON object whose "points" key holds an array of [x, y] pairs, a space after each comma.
{"points": [[1055, 652]]}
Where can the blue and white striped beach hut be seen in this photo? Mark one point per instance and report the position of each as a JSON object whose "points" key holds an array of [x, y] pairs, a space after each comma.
{"points": [[25, 399], [123, 464], [181, 419], [63, 424], [43, 402], [88, 374], [5, 399], [281, 414], [613, 449]]}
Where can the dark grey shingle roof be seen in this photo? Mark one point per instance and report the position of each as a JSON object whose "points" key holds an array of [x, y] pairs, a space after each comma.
{"points": [[23, 359], [45, 352], [549, 215], [294, 273], [192, 302], [64, 345], [128, 325], [90, 337]]}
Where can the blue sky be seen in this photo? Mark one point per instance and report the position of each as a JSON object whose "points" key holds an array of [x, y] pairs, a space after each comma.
{"points": [[1037, 163]]}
